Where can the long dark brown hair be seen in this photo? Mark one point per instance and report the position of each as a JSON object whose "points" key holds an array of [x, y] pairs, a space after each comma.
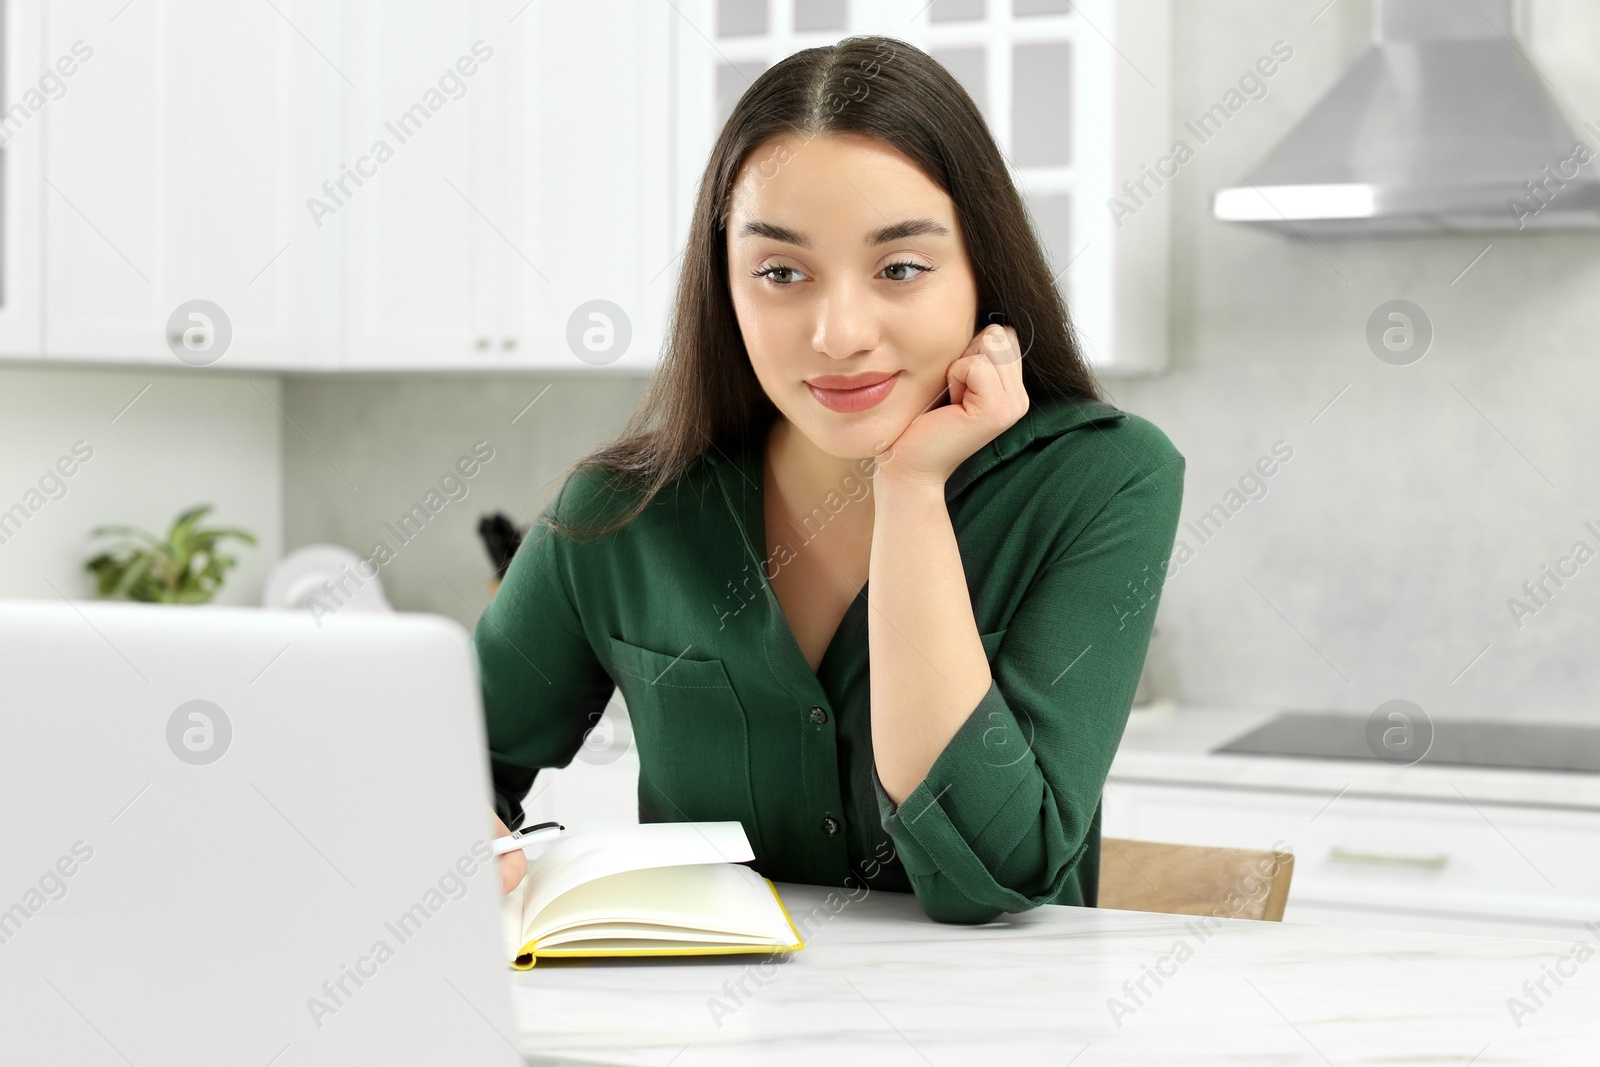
{"points": [[704, 391]]}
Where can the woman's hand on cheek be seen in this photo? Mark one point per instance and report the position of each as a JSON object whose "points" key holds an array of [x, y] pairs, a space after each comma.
{"points": [[986, 397]]}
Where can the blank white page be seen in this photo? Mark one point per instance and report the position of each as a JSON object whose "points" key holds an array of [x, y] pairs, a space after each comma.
{"points": [[694, 897], [585, 855]]}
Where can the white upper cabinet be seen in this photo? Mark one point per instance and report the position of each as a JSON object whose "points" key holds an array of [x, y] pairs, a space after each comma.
{"points": [[404, 184], [520, 220], [27, 87], [422, 184], [589, 133], [172, 172], [1075, 93], [412, 195]]}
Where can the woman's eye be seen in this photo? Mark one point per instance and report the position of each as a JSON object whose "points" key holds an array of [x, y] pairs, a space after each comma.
{"points": [[908, 263], [769, 271], [773, 272]]}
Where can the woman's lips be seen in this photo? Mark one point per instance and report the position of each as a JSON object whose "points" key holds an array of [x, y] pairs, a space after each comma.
{"points": [[850, 400]]}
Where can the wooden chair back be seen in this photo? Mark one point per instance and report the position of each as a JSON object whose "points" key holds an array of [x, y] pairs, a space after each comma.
{"points": [[1233, 883]]}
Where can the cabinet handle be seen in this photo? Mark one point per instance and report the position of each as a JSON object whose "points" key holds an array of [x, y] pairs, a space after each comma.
{"points": [[483, 342], [1376, 859]]}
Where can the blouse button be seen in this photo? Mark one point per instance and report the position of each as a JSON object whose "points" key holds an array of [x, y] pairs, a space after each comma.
{"points": [[819, 716], [830, 825]]}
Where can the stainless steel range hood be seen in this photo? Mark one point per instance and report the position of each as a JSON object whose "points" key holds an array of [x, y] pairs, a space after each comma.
{"points": [[1441, 125]]}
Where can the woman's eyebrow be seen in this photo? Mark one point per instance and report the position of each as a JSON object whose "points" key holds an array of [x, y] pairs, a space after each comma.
{"points": [[892, 232]]}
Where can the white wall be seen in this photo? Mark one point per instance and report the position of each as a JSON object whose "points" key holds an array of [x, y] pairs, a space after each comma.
{"points": [[189, 438]]}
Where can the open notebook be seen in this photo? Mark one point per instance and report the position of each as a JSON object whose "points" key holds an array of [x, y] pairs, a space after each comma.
{"points": [[654, 889]]}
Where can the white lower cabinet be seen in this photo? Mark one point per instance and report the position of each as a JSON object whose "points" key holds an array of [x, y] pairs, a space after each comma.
{"points": [[1450, 866]]}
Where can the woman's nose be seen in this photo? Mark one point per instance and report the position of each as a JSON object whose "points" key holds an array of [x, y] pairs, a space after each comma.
{"points": [[846, 324]]}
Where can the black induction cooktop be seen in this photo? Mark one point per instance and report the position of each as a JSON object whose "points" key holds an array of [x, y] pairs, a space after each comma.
{"points": [[1540, 746]]}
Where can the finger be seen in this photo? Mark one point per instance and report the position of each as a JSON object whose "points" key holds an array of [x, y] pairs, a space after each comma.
{"points": [[978, 379], [988, 343], [1011, 367], [1000, 346], [956, 377], [1002, 353], [1010, 347], [994, 390], [513, 868], [1016, 343]]}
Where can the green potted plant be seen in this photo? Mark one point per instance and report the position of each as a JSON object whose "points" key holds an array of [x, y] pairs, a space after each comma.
{"points": [[185, 568]]}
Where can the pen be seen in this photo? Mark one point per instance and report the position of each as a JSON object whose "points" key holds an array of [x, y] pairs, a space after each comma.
{"points": [[528, 835]]}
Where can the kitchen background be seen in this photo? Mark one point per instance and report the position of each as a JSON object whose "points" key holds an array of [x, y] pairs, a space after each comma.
{"points": [[1378, 564]]}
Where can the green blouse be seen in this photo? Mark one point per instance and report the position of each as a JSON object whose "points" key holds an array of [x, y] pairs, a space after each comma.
{"points": [[1065, 523]]}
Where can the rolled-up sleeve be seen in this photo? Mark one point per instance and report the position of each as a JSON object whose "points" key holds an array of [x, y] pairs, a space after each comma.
{"points": [[543, 686], [1003, 817]]}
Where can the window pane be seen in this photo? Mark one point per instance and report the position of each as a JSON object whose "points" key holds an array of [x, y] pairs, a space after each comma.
{"points": [[814, 16], [1052, 217], [1024, 8], [970, 67], [957, 10], [1041, 104], [732, 81], [741, 18]]}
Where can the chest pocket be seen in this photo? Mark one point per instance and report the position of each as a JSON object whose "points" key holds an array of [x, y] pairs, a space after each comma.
{"points": [[694, 741]]}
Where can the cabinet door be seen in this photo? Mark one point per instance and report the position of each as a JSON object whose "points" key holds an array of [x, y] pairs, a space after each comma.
{"points": [[29, 85], [173, 172], [109, 253], [415, 202], [587, 132]]}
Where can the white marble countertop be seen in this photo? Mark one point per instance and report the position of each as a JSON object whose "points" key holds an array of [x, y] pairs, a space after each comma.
{"points": [[1172, 743], [880, 983]]}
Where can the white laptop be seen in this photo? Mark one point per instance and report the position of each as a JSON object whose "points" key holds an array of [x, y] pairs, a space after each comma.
{"points": [[236, 835]]}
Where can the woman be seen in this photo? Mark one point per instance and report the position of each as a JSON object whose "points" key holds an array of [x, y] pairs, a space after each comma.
{"points": [[855, 225]]}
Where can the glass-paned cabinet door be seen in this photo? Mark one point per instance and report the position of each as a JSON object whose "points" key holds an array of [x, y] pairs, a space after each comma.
{"points": [[1075, 92]]}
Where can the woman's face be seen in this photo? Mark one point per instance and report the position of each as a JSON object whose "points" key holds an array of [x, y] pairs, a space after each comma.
{"points": [[844, 259]]}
